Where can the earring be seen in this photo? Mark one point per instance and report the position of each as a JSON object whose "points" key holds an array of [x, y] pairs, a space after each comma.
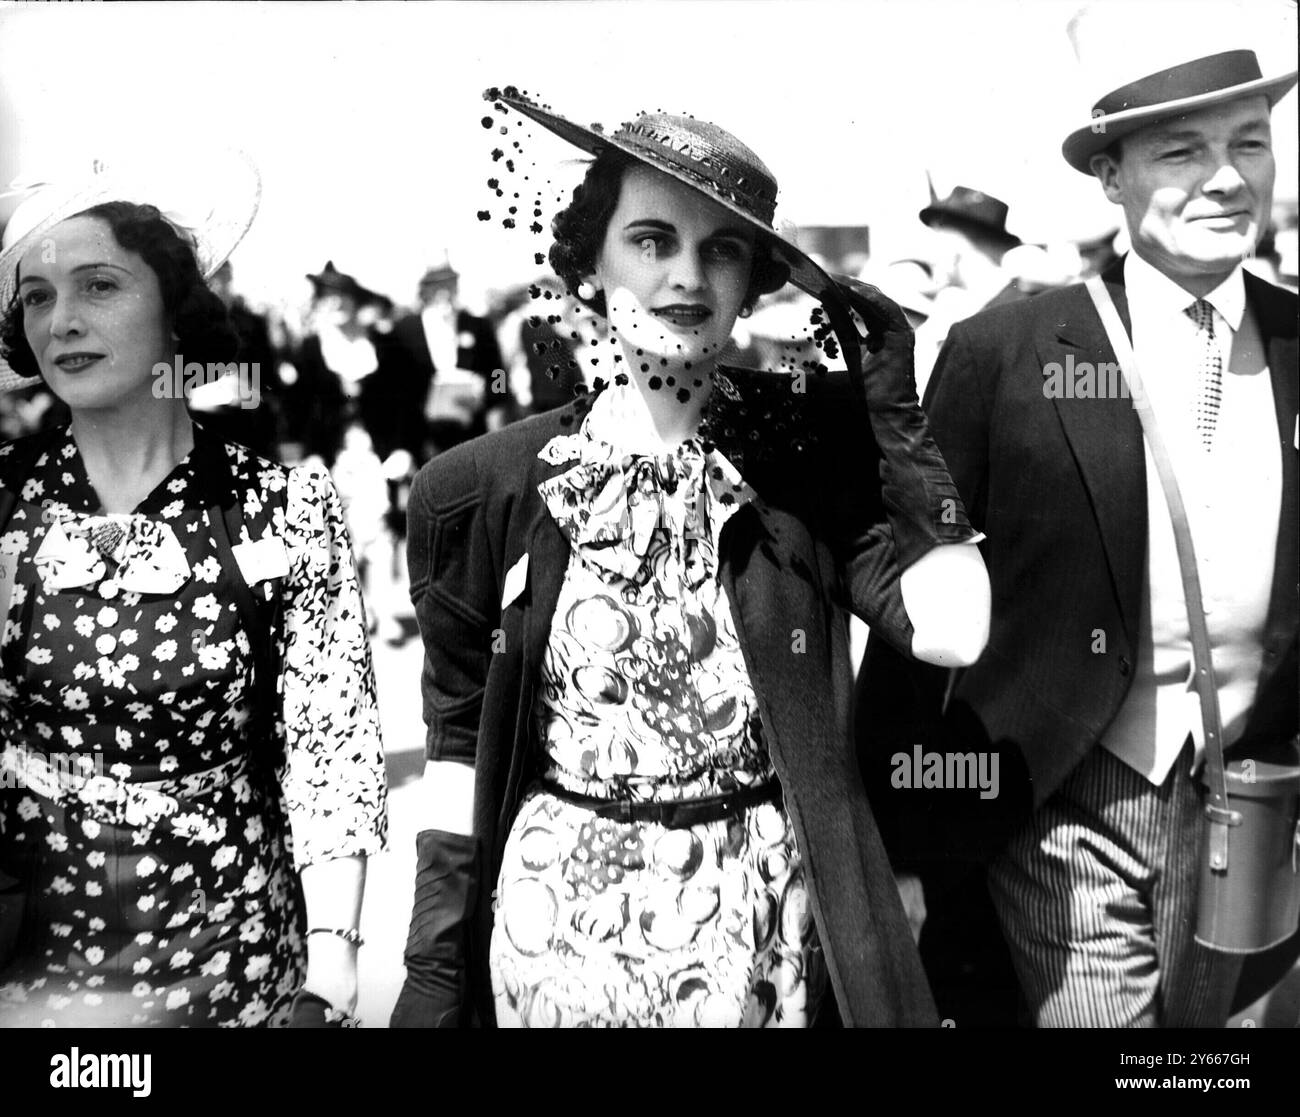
{"points": [[746, 311], [586, 292]]}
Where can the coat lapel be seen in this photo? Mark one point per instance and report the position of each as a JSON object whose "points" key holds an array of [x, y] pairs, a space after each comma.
{"points": [[1105, 438], [547, 550], [1277, 328]]}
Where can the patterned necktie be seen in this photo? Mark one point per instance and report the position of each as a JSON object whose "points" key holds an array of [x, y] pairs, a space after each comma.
{"points": [[1209, 391]]}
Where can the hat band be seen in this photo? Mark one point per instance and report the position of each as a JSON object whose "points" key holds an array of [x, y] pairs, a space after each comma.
{"points": [[688, 154], [1191, 79]]}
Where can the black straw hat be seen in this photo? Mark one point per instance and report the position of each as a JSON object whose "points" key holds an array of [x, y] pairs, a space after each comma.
{"points": [[700, 155]]}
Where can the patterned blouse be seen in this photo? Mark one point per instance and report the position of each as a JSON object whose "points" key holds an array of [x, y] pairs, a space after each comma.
{"points": [[645, 695], [123, 650]]}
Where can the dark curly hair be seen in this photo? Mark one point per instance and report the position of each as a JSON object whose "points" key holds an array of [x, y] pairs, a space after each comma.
{"points": [[196, 315], [579, 231]]}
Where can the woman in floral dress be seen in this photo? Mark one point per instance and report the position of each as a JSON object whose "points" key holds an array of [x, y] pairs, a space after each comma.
{"points": [[643, 804], [193, 776]]}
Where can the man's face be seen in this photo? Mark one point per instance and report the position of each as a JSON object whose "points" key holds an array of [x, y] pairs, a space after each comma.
{"points": [[1196, 190]]}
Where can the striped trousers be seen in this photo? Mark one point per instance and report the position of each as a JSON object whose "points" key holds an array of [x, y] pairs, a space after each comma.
{"points": [[1097, 898]]}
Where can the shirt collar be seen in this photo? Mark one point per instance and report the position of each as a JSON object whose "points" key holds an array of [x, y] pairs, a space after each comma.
{"points": [[1151, 292]]}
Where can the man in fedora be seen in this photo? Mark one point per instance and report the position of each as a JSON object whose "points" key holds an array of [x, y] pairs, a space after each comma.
{"points": [[443, 345], [968, 241], [1083, 693]]}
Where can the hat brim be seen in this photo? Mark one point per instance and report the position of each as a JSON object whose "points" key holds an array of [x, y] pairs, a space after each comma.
{"points": [[224, 218], [960, 217], [804, 272], [1098, 134]]}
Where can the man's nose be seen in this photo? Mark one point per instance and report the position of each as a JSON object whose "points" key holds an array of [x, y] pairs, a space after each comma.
{"points": [[1226, 179]]}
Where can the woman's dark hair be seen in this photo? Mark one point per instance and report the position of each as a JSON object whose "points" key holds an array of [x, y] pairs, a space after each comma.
{"points": [[196, 315], [579, 231]]}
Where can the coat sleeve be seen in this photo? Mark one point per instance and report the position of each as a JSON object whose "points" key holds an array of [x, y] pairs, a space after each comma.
{"points": [[957, 405], [845, 476], [453, 589], [333, 782]]}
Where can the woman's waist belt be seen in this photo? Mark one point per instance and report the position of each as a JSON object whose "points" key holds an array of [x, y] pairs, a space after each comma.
{"points": [[108, 798], [674, 814]]}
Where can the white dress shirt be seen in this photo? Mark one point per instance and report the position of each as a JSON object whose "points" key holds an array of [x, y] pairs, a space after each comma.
{"points": [[1233, 495]]}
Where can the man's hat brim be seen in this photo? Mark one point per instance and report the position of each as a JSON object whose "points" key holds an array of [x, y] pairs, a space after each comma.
{"points": [[951, 215], [804, 272], [1102, 131]]}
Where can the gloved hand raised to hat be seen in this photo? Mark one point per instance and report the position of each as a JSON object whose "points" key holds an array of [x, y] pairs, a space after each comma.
{"points": [[924, 507]]}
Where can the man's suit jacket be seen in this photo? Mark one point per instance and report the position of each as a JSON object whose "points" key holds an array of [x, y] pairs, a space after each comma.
{"points": [[478, 352], [1059, 486], [815, 537]]}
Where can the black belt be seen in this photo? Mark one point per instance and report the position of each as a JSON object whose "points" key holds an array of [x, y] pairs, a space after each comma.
{"points": [[674, 814]]}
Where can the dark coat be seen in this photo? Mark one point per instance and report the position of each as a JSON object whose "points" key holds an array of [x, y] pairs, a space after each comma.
{"points": [[816, 537], [1059, 486], [482, 355]]}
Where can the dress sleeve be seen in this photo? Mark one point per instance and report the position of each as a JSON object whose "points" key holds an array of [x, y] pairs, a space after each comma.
{"points": [[333, 779]]}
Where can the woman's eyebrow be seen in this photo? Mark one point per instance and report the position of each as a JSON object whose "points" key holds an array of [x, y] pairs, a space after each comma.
{"points": [[79, 268], [734, 231], [650, 223]]}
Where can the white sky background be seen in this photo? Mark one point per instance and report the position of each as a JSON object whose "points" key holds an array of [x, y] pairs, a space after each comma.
{"points": [[364, 119]]}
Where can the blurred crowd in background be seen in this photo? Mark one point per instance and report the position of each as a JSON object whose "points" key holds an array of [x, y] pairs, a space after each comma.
{"points": [[373, 385]]}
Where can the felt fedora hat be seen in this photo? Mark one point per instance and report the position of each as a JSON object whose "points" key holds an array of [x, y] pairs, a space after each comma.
{"points": [[1175, 91], [972, 208], [330, 281], [701, 155], [209, 198]]}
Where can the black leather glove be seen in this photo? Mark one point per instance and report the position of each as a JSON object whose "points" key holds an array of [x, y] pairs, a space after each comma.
{"points": [[924, 507], [434, 994], [310, 1011]]}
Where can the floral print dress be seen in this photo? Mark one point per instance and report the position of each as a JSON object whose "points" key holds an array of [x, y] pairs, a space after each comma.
{"points": [[644, 695], [162, 876]]}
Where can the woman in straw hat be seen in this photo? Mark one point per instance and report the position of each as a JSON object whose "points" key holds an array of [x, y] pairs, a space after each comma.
{"points": [[644, 807], [191, 757]]}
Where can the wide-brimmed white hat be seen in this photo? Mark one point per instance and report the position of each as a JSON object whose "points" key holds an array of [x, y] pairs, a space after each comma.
{"points": [[210, 202]]}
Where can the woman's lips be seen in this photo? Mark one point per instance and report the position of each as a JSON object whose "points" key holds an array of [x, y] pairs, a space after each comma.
{"points": [[684, 316], [75, 362]]}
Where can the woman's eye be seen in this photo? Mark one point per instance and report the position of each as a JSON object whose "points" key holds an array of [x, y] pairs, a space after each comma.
{"points": [[101, 285], [726, 250], [650, 247], [34, 298]]}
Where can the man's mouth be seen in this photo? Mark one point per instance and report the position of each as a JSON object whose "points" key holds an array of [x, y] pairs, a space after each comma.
{"points": [[684, 315], [1232, 215], [75, 362]]}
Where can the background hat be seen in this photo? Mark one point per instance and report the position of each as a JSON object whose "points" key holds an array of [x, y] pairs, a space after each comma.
{"points": [[441, 272], [330, 281], [700, 155], [1175, 91], [210, 207], [971, 208]]}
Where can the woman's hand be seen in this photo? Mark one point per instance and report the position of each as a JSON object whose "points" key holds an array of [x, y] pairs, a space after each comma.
{"points": [[332, 891], [332, 971]]}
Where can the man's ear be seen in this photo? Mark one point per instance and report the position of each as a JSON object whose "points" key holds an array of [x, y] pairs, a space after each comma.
{"points": [[1105, 166]]}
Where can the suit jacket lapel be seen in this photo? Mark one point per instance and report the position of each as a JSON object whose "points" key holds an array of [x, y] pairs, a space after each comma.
{"points": [[1277, 328], [1105, 438], [548, 555]]}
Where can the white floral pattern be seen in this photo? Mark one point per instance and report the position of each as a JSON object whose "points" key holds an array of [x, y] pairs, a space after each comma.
{"points": [[192, 919]]}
